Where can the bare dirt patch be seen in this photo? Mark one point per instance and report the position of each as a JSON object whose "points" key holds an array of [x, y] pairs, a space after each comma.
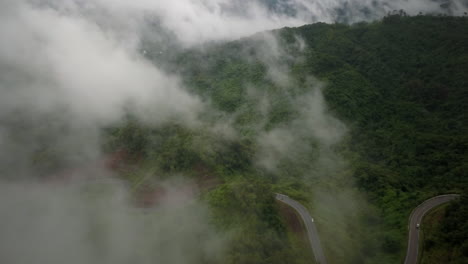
{"points": [[293, 221]]}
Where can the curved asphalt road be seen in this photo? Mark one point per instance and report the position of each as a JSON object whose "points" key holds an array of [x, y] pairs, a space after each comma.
{"points": [[310, 226], [416, 218]]}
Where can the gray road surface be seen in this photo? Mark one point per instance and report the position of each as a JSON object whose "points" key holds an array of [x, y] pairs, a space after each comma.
{"points": [[416, 218], [310, 226]]}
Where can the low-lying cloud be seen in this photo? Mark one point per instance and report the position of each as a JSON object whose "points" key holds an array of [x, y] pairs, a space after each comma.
{"points": [[96, 223], [49, 59], [64, 77], [52, 63], [196, 22], [313, 130], [70, 68]]}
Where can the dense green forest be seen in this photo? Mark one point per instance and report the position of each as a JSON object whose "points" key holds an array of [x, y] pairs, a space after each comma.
{"points": [[393, 132], [445, 232]]}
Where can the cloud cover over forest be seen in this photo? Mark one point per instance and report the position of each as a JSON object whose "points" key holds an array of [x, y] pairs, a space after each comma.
{"points": [[70, 68]]}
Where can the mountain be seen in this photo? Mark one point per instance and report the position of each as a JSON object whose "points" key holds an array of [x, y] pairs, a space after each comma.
{"points": [[354, 11], [135, 131], [399, 85]]}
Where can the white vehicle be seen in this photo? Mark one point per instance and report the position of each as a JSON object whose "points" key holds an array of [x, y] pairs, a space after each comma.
{"points": [[417, 226], [312, 219]]}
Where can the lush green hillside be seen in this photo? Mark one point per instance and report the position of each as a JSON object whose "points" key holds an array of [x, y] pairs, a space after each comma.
{"points": [[445, 231], [399, 85]]}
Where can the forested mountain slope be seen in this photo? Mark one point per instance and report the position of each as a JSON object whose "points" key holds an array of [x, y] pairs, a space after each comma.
{"points": [[391, 131]]}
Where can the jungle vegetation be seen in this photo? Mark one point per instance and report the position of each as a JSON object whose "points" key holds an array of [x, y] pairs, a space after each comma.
{"points": [[400, 85]]}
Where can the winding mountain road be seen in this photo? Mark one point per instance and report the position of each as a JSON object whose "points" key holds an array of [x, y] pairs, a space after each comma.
{"points": [[416, 218], [312, 232], [414, 222]]}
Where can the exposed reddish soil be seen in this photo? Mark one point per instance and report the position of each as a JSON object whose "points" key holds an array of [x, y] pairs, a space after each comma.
{"points": [[148, 195], [293, 221], [205, 178], [116, 160]]}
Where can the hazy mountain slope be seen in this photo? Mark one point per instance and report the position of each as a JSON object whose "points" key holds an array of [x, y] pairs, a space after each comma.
{"points": [[138, 131], [359, 122], [399, 84], [445, 232]]}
